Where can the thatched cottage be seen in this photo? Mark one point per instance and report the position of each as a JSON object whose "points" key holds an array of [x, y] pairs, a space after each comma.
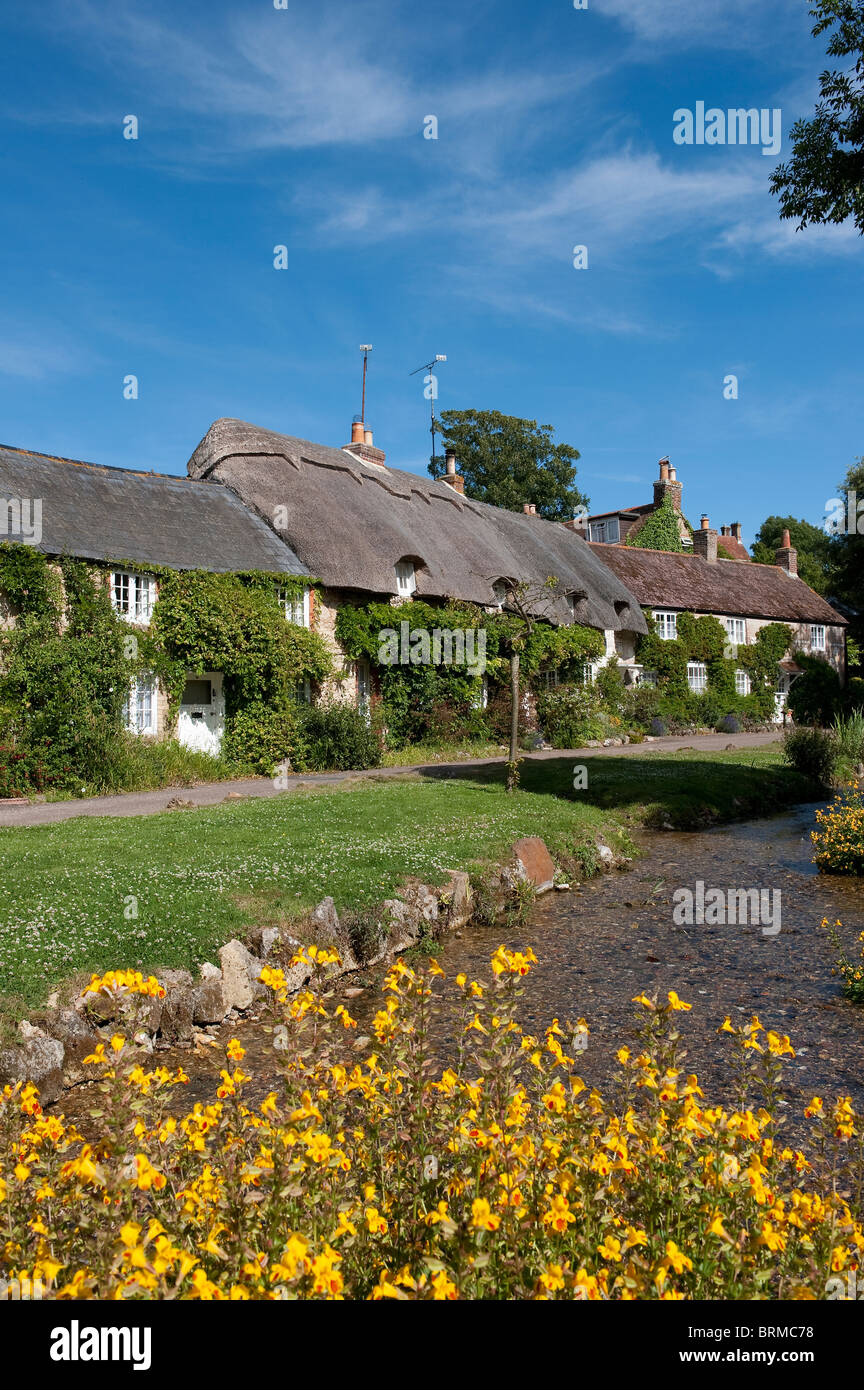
{"points": [[128, 526], [366, 530]]}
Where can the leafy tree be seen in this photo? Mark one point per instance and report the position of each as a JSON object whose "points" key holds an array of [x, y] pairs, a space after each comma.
{"points": [[824, 180], [507, 462], [815, 551], [847, 554]]}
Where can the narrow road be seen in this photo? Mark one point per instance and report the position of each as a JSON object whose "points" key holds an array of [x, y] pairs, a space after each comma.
{"points": [[210, 793]]}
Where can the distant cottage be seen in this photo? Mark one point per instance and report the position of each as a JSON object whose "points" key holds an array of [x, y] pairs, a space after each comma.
{"points": [[713, 575]]}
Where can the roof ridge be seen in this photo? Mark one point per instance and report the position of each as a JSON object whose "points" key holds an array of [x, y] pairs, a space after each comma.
{"points": [[102, 467]]}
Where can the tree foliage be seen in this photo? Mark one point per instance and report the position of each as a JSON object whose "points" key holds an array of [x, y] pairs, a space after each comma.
{"points": [[813, 545], [823, 182], [507, 461]]}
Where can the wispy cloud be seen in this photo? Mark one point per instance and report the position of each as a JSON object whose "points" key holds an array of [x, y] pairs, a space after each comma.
{"points": [[28, 355], [299, 79], [682, 23]]}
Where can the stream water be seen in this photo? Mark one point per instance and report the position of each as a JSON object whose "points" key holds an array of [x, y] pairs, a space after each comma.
{"points": [[614, 936]]}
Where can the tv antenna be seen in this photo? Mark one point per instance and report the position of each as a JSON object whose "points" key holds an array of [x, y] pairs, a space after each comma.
{"points": [[365, 348], [428, 368]]}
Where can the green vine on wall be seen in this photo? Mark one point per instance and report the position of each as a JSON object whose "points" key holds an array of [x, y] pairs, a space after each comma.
{"points": [[422, 699], [660, 531], [67, 663]]}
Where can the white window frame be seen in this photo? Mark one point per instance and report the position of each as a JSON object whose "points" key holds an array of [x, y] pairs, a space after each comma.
{"points": [[646, 678], [667, 624], [133, 595], [737, 630], [551, 677], [697, 677], [295, 606], [817, 637], [139, 711], [743, 683], [406, 578]]}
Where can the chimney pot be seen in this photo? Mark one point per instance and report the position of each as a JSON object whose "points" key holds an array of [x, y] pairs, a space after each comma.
{"points": [[664, 470], [786, 558], [450, 463], [705, 522], [673, 474], [736, 530], [367, 437], [357, 431]]}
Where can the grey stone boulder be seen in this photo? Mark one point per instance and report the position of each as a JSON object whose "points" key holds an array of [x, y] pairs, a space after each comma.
{"points": [[67, 1026], [175, 1024], [454, 900], [264, 941], [605, 855], [240, 972], [401, 923], [35, 1058], [329, 931], [208, 995]]}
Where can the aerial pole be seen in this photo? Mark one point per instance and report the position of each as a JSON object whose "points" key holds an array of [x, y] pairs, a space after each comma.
{"points": [[431, 393], [365, 348]]}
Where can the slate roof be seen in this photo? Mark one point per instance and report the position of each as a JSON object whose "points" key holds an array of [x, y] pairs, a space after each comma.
{"points": [[351, 521], [733, 588], [99, 513]]}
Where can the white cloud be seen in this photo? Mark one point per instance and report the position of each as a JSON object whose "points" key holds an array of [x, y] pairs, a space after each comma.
{"points": [[681, 23]]}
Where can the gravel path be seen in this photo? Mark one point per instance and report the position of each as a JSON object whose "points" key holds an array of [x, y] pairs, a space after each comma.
{"points": [[210, 793]]}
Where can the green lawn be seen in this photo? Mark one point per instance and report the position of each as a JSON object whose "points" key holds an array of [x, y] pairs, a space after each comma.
{"points": [[70, 888]]}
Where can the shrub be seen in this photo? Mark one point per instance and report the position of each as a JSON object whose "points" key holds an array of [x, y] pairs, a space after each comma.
{"points": [[815, 695], [24, 771], [839, 839], [657, 728], [849, 736], [729, 725], [812, 752], [336, 736], [261, 737], [570, 715]]}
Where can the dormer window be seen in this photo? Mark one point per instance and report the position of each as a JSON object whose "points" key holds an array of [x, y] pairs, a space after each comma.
{"points": [[295, 605], [574, 601], [406, 579], [133, 595]]}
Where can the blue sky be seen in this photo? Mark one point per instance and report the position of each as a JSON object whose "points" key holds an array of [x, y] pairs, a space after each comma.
{"points": [[303, 127]]}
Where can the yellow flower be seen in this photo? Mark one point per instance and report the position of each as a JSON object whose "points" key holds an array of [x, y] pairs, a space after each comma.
{"points": [[482, 1216]]}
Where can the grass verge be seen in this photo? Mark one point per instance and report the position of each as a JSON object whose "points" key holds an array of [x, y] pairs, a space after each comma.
{"points": [[169, 889]]}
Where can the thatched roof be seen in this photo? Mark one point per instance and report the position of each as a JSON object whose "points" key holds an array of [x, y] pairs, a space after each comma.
{"points": [[731, 588], [99, 513], [352, 521]]}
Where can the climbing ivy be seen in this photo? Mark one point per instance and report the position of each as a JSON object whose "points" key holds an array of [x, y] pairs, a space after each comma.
{"points": [[705, 639], [422, 699], [67, 663], [660, 531]]}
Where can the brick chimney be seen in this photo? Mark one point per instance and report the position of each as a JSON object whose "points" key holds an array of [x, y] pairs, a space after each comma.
{"points": [[667, 482], [451, 477], [786, 558], [705, 542], [736, 530], [362, 446]]}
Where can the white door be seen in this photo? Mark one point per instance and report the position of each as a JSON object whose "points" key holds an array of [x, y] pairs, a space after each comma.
{"points": [[364, 686], [201, 722], [781, 696]]}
